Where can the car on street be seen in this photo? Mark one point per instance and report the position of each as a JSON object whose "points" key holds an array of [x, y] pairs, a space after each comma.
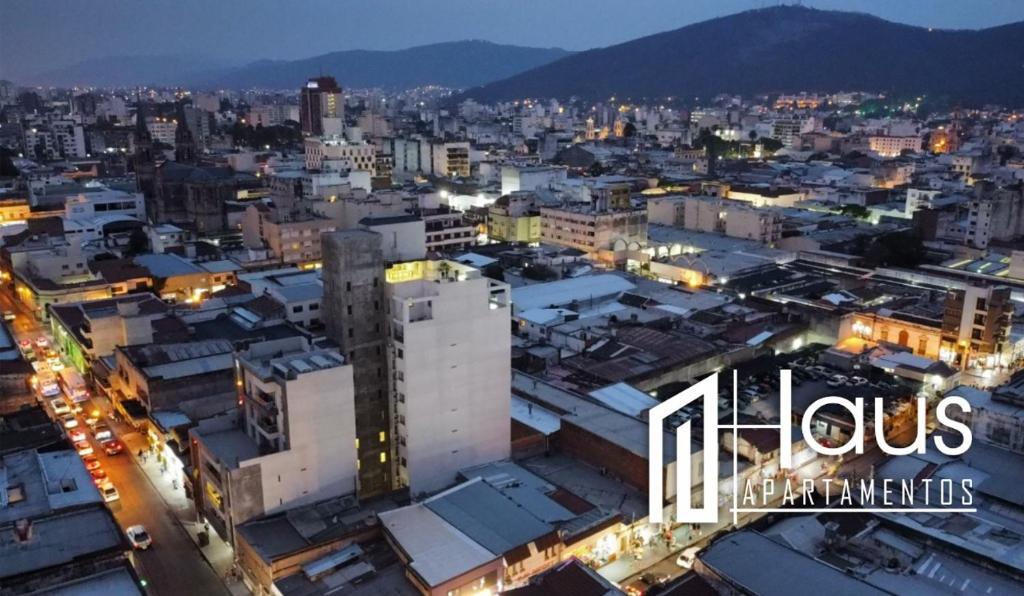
{"points": [[69, 420], [55, 364], [91, 462], [60, 407], [83, 448], [91, 421], [49, 389], [109, 492], [139, 537], [687, 557], [25, 345], [655, 579], [102, 432], [113, 447], [42, 342], [9, 315], [77, 435]]}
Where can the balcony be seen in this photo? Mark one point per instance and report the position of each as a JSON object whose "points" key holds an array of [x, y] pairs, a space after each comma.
{"points": [[268, 426]]}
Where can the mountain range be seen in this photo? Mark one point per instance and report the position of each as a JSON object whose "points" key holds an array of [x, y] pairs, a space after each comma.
{"points": [[787, 49], [458, 64]]}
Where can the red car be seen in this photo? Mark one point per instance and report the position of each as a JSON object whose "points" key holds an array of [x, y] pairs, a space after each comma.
{"points": [[112, 447], [91, 463], [99, 476]]}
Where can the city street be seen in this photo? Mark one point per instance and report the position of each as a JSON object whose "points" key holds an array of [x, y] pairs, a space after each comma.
{"points": [[173, 565]]}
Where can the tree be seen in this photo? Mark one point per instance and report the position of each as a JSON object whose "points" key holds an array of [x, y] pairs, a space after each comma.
{"points": [[138, 242], [857, 211], [752, 135], [7, 167], [771, 145], [899, 249]]}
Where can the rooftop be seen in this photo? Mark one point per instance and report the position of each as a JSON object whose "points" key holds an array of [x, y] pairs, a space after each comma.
{"points": [[566, 291]]}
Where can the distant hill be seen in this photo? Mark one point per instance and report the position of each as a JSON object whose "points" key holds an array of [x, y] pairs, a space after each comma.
{"points": [[126, 71], [787, 49], [453, 64]]}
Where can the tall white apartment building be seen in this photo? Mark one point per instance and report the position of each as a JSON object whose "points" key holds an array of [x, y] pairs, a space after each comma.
{"points": [[450, 353]]}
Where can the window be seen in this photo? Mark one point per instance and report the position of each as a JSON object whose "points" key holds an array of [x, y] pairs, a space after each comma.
{"points": [[348, 309], [351, 333], [314, 306], [922, 345], [297, 308]]}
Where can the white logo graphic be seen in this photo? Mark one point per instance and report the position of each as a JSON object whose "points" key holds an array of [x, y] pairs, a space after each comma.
{"points": [[707, 390]]}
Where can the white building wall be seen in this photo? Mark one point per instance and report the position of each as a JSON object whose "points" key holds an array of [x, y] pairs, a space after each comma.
{"points": [[453, 378]]}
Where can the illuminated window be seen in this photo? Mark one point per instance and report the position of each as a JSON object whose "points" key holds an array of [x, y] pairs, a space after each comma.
{"points": [[383, 436], [383, 457], [357, 443]]}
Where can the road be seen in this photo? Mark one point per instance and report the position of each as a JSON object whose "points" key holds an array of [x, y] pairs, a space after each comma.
{"points": [[173, 565]]}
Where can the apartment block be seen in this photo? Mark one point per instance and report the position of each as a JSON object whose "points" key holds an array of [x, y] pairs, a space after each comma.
{"points": [[449, 349]]}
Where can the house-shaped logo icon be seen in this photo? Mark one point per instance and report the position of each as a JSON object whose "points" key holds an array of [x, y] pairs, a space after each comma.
{"points": [[707, 390]]}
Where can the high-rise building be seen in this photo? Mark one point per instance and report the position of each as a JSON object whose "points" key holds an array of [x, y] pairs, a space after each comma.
{"points": [[322, 108], [353, 276], [450, 354]]}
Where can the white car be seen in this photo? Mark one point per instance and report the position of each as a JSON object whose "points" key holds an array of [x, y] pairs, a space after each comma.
{"points": [[837, 380], [83, 448], [42, 342], [55, 364], [60, 406], [138, 536], [49, 389], [687, 557], [77, 434], [109, 492], [858, 381], [69, 420]]}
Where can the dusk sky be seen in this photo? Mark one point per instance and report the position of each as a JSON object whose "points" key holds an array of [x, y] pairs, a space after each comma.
{"points": [[37, 35]]}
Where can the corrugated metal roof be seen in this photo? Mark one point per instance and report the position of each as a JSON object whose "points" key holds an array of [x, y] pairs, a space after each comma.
{"points": [[488, 517]]}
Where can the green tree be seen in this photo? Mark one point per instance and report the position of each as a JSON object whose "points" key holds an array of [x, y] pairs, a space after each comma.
{"points": [[138, 242], [7, 167]]}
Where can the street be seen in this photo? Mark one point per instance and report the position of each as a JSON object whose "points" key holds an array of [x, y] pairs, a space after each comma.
{"points": [[173, 565]]}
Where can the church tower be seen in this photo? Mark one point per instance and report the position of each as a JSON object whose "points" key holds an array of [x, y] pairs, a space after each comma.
{"points": [[184, 143], [144, 160]]}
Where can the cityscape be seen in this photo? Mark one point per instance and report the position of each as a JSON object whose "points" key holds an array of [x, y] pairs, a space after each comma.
{"points": [[729, 306]]}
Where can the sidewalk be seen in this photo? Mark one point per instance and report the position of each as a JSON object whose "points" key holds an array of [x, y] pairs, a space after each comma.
{"points": [[628, 566], [217, 553]]}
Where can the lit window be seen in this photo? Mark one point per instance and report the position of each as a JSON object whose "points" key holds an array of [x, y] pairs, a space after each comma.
{"points": [[383, 457], [383, 436]]}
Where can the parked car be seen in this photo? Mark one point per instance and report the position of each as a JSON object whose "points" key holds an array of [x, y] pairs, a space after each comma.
{"points": [[138, 536], [83, 448], [9, 315], [99, 476], [91, 462], [837, 381], [69, 420], [858, 381], [42, 342], [109, 492], [55, 364], [687, 557], [77, 435], [60, 407]]}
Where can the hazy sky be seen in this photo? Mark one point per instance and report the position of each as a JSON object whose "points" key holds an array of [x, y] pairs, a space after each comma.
{"points": [[37, 35]]}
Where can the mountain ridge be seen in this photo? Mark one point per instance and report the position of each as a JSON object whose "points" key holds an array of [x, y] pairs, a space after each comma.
{"points": [[782, 50], [457, 64]]}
